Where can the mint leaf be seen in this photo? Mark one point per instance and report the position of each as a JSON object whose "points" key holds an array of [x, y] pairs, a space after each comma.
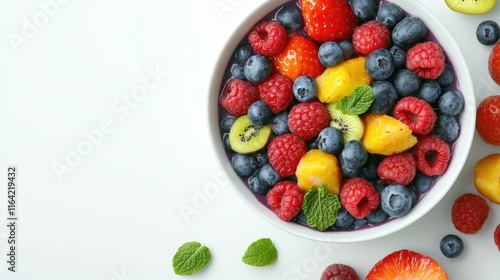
{"points": [[321, 208], [190, 258], [358, 103], [260, 253]]}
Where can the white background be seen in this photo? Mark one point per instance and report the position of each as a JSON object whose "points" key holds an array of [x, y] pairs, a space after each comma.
{"points": [[69, 69]]}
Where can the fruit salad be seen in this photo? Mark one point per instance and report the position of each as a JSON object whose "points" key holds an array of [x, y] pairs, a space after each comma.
{"points": [[339, 115]]}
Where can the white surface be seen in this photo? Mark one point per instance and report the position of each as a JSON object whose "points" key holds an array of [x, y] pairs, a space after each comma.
{"points": [[117, 215]]}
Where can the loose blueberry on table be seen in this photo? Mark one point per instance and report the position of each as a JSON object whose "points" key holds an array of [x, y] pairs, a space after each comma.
{"points": [[357, 98]]}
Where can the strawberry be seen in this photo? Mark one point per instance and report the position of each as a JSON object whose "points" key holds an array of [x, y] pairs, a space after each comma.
{"points": [[494, 63], [496, 237], [407, 264], [299, 57], [488, 120], [327, 20]]}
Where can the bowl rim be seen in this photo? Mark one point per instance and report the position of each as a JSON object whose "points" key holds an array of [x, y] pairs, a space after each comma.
{"points": [[435, 194]]}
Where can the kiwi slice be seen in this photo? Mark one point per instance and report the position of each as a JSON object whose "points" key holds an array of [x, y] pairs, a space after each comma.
{"points": [[473, 7], [246, 137], [351, 126]]}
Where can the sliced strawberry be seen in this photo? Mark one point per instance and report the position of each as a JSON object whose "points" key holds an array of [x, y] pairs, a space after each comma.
{"points": [[406, 264], [327, 20]]}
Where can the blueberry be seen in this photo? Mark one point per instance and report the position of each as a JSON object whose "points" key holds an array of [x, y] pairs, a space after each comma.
{"points": [[365, 9], [389, 14], [330, 54], [380, 64], [396, 200], [360, 223], [379, 186], [290, 18], [451, 103], [406, 82], [330, 140], [385, 97], [261, 157], [447, 128], [305, 88], [414, 195], [257, 68], [243, 53], [226, 143], [256, 186], [313, 144], [488, 32], [344, 220], [399, 55], [451, 246], [422, 183], [280, 124], [347, 48], [430, 90], [244, 165], [237, 71], [377, 216], [301, 218], [259, 113], [226, 123], [268, 176], [348, 171], [408, 32], [354, 154], [369, 171], [447, 78]]}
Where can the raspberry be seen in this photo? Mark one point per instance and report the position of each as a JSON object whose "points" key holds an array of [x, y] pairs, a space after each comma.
{"points": [[285, 199], [416, 113], [370, 36], [398, 168], [358, 197], [432, 155], [268, 38], [277, 92], [284, 153], [306, 120], [469, 212], [339, 271], [496, 237], [237, 97], [426, 59]]}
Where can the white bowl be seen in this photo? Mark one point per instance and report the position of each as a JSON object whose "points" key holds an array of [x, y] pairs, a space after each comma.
{"points": [[431, 198]]}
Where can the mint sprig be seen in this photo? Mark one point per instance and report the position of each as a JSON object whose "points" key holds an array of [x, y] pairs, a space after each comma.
{"points": [[260, 253], [358, 103], [190, 258], [320, 207]]}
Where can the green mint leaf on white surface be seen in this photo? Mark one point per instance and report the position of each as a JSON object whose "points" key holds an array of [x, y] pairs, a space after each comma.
{"points": [[260, 253], [190, 258], [358, 103], [321, 207]]}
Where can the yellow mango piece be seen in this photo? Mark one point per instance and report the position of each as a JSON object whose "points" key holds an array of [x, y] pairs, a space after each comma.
{"points": [[385, 135], [341, 80], [487, 177], [317, 168]]}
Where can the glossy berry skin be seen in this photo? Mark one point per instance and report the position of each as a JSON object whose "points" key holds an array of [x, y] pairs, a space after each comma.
{"points": [[306, 120], [354, 154], [417, 114], [259, 113], [389, 14], [268, 176], [257, 68], [330, 54], [365, 9], [280, 124], [398, 168], [426, 59], [406, 82], [371, 36], [380, 64], [290, 18], [385, 97], [396, 200], [451, 246], [339, 271], [237, 97], [496, 237], [469, 212], [305, 88], [276, 91], [344, 219], [430, 90], [408, 32], [488, 32], [268, 38], [284, 154], [285, 199], [494, 63], [432, 155], [358, 197], [399, 55], [237, 71], [244, 165], [447, 128], [488, 119], [330, 140], [451, 103]]}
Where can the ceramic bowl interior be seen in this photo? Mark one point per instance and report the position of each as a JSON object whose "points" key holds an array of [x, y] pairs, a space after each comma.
{"points": [[431, 198]]}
